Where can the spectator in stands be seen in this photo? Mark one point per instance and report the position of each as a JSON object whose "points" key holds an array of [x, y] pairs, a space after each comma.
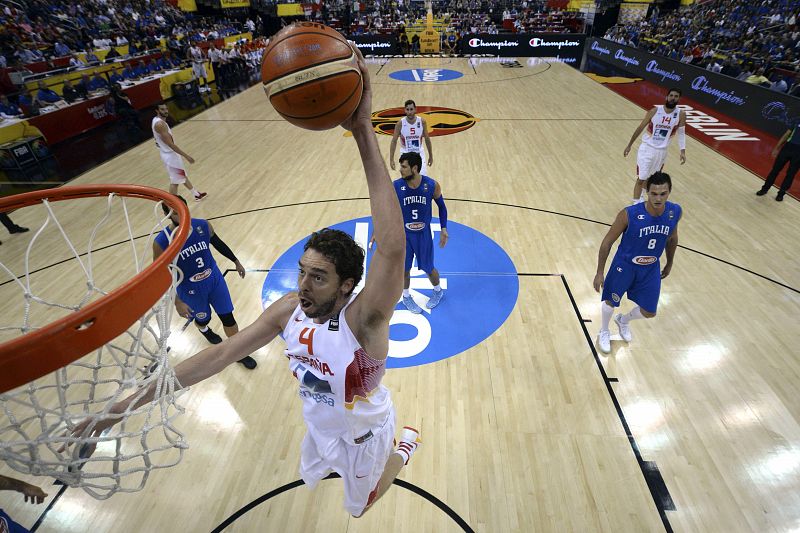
{"points": [[62, 50], [28, 56], [121, 40], [164, 62], [76, 62], [69, 92], [152, 67], [8, 109], [112, 55], [91, 58], [46, 96], [115, 76], [758, 78], [780, 84], [133, 49]]}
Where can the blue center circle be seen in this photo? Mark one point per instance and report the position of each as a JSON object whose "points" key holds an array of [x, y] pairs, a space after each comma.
{"points": [[421, 75], [480, 283]]}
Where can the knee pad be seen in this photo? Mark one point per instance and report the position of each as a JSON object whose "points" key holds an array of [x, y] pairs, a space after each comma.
{"points": [[227, 320]]}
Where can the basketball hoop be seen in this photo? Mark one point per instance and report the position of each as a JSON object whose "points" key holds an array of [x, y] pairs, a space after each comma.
{"points": [[69, 361]]}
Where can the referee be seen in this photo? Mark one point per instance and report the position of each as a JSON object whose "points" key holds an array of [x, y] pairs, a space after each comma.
{"points": [[786, 151]]}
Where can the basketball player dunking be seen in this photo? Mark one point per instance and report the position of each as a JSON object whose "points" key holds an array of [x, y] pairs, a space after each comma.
{"points": [[171, 155], [411, 130], [662, 123], [336, 342]]}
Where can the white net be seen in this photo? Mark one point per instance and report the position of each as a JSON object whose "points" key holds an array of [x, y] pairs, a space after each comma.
{"points": [[37, 417]]}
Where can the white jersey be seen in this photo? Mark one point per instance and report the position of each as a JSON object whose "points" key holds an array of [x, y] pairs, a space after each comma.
{"points": [[411, 136], [662, 127], [196, 54], [162, 146], [341, 388]]}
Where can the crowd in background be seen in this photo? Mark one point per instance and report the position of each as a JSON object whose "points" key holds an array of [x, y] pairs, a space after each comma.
{"points": [[754, 41]]}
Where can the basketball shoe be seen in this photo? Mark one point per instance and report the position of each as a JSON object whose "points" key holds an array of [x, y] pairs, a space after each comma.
{"points": [[411, 305], [624, 328], [211, 337], [604, 340], [435, 299], [200, 196]]}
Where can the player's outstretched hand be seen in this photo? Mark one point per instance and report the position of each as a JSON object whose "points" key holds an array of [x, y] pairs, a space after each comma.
{"points": [[598, 282], [430, 158], [665, 272], [240, 269], [443, 236], [683, 157], [190, 159], [33, 494], [391, 164], [362, 116], [99, 427], [626, 152]]}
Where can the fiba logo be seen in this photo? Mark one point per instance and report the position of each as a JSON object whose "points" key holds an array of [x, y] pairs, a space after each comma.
{"points": [[479, 277], [426, 75]]}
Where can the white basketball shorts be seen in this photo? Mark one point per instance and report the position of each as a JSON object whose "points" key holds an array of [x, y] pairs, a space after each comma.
{"points": [[199, 70], [649, 160], [360, 465], [175, 168]]}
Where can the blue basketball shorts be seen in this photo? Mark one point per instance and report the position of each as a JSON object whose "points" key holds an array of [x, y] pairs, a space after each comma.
{"points": [[420, 244], [200, 296], [642, 283]]}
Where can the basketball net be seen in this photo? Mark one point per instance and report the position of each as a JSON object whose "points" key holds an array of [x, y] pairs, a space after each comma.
{"points": [[37, 417]]}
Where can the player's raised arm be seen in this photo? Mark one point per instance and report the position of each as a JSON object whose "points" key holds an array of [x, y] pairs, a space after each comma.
{"points": [[208, 362], [385, 280]]}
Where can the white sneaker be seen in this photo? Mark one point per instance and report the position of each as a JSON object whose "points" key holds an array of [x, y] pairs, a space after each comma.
{"points": [[624, 328], [604, 340]]}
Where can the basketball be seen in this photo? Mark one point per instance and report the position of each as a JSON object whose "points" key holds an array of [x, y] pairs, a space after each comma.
{"points": [[311, 76]]}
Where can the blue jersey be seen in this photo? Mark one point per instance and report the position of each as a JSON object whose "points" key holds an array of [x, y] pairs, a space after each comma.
{"points": [[416, 203], [644, 240], [195, 259], [9, 526]]}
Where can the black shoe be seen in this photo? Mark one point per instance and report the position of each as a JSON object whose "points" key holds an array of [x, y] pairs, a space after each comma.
{"points": [[211, 337], [779, 198], [18, 229], [248, 362], [762, 192]]}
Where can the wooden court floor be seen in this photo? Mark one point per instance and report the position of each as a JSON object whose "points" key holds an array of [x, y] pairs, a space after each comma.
{"points": [[528, 430]]}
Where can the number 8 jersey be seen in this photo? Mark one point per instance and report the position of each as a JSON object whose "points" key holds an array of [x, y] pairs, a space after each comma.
{"points": [[646, 236]]}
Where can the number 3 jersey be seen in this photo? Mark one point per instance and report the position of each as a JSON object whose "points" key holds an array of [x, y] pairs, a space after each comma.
{"points": [[195, 259], [662, 127], [340, 384], [646, 236]]}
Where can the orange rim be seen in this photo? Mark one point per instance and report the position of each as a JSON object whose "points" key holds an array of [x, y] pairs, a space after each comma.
{"points": [[37, 353]]}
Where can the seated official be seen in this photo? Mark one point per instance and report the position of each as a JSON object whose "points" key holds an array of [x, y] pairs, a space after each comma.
{"points": [[129, 74], [140, 70], [83, 86], [69, 92], [8, 109], [91, 57], [98, 82], [46, 96], [164, 63], [29, 104], [76, 62], [152, 67], [114, 76]]}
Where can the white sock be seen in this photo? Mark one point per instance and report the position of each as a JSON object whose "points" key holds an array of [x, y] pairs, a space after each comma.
{"points": [[406, 449], [606, 311], [203, 329], [634, 314], [437, 288], [194, 192], [406, 293]]}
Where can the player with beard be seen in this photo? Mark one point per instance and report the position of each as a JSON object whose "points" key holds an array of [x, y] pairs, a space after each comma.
{"points": [[337, 343], [171, 155], [662, 123], [417, 194], [411, 130]]}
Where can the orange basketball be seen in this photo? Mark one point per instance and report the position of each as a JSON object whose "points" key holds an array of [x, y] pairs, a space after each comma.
{"points": [[311, 76]]}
